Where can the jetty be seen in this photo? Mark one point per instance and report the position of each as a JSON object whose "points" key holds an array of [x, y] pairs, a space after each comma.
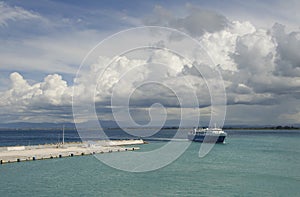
{"points": [[13, 154]]}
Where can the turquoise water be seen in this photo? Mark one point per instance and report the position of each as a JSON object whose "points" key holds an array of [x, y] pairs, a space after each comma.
{"points": [[247, 165]]}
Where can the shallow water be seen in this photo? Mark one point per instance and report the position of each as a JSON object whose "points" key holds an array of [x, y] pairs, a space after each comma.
{"points": [[249, 164]]}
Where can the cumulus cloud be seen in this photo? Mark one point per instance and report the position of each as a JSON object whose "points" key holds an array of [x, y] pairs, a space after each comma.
{"points": [[123, 77], [252, 62], [39, 100], [259, 66], [53, 90]]}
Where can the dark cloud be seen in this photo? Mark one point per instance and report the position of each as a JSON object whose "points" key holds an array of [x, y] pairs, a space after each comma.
{"points": [[288, 58], [200, 21], [196, 23]]}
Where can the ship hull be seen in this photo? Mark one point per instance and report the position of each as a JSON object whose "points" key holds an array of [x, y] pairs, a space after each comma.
{"points": [[208, 138]]}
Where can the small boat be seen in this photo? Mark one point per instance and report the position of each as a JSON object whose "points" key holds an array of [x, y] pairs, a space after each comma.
{"points": [[209, 135]]}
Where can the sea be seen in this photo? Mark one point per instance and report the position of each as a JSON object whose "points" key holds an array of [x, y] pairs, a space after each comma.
{"points": [[250, 163]]}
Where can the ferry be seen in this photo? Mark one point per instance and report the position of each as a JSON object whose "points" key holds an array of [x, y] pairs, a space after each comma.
{"points": [[209, 135]]}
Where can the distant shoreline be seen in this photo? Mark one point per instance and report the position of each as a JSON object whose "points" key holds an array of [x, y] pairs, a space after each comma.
{"points": [[165, 128]]}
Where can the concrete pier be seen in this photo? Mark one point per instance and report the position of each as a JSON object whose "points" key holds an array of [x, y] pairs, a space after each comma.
{"points": [[51, 151]]}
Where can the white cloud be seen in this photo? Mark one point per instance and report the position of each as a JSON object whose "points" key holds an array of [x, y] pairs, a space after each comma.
{"points": [[260, 68], [8, 13], [123, 77], [220, 45], [247, 57], [46, 101], [61, 53]]}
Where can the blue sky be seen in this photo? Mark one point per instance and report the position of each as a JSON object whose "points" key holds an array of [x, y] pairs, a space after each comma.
{"points": [[255, 44]]}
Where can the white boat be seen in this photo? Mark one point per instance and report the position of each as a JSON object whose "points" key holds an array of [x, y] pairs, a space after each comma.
{"points": [[210, 135]]}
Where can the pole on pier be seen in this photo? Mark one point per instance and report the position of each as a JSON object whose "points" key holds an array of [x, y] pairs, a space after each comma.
{"points": [[63, 137]]}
